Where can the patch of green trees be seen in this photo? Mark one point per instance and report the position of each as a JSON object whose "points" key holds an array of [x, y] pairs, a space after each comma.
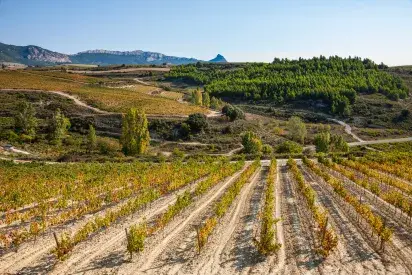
{"points": [[334, 80]]}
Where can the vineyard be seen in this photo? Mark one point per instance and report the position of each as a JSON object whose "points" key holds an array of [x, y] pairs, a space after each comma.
{"points": [[209, 216]]}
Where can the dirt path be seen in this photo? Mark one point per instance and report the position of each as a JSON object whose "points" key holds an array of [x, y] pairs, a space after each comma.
{"points": [[348, 129], [80, 103], [355, 253], [381, 141]]}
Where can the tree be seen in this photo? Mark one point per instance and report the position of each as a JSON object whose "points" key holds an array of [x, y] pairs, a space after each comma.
{"points": [[322, 142], [297, 129], [91, 138], [233, 112], [215, 103], [135, 137], [25, 120], [251, 143], [59, 127], [206, 100], [197, 122], [197, 98], [338, 144]]}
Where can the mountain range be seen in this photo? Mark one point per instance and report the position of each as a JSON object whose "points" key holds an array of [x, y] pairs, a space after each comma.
{"points": [[35, 55]]}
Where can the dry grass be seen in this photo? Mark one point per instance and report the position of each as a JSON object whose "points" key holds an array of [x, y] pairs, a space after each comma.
{"points": [[110, 99]]}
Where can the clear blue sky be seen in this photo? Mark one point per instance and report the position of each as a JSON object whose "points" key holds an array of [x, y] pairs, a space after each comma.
{"points": [[241, 30]]}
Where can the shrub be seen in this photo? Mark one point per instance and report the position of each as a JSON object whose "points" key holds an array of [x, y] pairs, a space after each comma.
{"points": [[267, 149], [197, 122], [289, 147], [233, 112], [12, 136], [107, 146], [135, 238]]}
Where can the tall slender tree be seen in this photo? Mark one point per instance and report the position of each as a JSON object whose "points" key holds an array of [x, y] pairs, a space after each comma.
{"points": [[91, 138], [60, 124], [25, 120], [135, 137], [206, 100]]}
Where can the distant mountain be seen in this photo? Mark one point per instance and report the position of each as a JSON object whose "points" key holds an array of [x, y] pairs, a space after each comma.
{"points": [[219, 59], [34, 55], [30, 55]]}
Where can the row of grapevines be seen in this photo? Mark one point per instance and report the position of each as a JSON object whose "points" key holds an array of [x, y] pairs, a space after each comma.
{"points": [[184, 200], [169, 178], [224, 203], [395, 163], [267, 242], [327, 237], [392, 196], [401, 185], [217, 175], [364, 210], [132, 206], [85, 185]]}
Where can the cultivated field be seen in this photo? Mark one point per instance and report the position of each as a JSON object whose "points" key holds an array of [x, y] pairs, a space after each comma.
{"points": [[210, 216], [105, 98]]}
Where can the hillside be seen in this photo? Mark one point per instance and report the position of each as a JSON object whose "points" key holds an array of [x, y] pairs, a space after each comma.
{"points": [[331, 83], [34, 55]]}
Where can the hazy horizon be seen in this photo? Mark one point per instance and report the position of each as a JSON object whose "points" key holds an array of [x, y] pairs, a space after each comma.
{"points": [[242, 31]]}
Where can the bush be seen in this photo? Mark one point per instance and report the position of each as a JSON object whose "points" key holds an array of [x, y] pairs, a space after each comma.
{"points": [[177, 154], [233, 112], [197, 122], [184, 130], [289, 147], [135, 238], [267, 149], [70, 141], [12, 136], [107, 146]]}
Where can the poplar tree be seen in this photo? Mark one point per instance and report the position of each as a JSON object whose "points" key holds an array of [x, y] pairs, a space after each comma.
{"points": [[135, 137], [197, 97], [60, 124], [206, 100], [25, 120], [91, 138]]}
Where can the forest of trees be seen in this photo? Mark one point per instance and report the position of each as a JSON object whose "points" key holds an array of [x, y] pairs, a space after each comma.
{"points": [[334, 80]]}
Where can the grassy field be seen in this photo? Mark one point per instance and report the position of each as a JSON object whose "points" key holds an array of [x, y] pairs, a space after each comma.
{"points": [[115, 100]]}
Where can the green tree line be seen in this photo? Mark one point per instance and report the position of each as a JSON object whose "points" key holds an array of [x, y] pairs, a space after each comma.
{"points": [[334, 80]]}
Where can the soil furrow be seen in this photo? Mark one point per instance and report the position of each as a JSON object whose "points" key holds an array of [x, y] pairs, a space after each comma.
{"points": [[300, 245], [212, 259]]}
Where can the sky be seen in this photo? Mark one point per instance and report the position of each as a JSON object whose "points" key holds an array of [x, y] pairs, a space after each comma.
{"points": [[241, 30]]}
